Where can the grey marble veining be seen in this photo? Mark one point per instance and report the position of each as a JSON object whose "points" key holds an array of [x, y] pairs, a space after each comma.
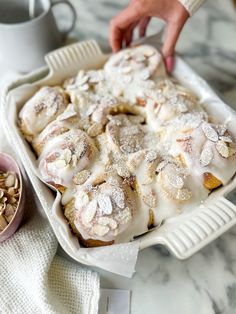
{"points": [[206, 282]]}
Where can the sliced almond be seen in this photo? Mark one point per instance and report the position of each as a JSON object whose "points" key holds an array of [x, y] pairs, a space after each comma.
{"points": [[3, 223], [82, 199], [151, 156], [60, 163], [148, 53], [105, 204], [11, 191], [206, 156], [81, 177], [176, 181], [9, 218], [10, 180], [183, 195], [124, 216], [118, 197], [150, 199], [226, 139], [122, 171], [126, 69], [232, 151], [9, 210], [74, 161], [210, 132], [12, 200], [95, 129], [67, 155], [107, 221], [89, 212], [100, 230], [1, 193], [222, 149]]}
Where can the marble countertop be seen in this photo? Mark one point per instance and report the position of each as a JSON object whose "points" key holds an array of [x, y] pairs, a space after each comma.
{"points": [[206, 282]]}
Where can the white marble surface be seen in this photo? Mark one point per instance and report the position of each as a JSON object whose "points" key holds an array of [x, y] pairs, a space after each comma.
{"points": [[206, 282]]}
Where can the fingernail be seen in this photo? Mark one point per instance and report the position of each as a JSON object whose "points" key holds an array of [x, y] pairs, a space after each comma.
{"points": [[170, 62]]}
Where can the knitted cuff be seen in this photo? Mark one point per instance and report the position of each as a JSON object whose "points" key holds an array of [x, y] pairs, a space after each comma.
{"points": [[191, 5]]}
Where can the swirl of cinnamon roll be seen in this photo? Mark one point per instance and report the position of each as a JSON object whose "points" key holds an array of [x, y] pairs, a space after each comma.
{"points": [[125, 134], [101, 209], [139, 63], [67, 120], [66, 155], [41, 109], [207, 150]]}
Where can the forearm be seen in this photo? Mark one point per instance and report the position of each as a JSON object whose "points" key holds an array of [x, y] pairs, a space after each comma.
{"points": [[191, 5]]}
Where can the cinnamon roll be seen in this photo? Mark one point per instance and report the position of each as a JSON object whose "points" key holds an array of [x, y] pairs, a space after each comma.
{"points": [[207, 150], [67, 120], [101, 210], [41, 109], [66, 155]]}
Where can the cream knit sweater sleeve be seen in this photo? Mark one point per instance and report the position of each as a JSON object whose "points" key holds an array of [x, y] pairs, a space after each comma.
{"points": [[191, 5]]}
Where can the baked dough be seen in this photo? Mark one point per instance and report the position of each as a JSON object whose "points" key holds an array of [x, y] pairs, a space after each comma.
{"points": [[41, 109], [127, 146]]}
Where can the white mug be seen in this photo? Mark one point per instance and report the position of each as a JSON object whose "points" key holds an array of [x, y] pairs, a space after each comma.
{"points": [[24, 41]]}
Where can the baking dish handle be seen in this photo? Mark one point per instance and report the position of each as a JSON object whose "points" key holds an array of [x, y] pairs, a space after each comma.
{"points": [[206, 224], [81, 55]]}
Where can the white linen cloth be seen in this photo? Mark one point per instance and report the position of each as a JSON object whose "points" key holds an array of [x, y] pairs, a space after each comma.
{"points": [[33, 278]]}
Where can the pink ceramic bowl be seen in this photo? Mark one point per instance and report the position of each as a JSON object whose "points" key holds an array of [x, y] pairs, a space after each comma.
{"points": [[7, 163]]}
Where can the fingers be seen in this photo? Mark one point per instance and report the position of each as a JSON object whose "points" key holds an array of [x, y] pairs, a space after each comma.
{"points": [[121, 22], [171, 36], [172, 32], [128, 36], [170, 63], [143, 26]]}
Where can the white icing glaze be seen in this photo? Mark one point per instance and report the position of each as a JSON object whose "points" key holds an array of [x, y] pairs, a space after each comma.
{"points": [[67, 120], [41, 109], [152, 144], [105, 207], [65, 156]]}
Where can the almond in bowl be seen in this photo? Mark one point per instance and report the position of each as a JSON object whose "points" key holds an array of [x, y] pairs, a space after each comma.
{"points": [[11, 197]]}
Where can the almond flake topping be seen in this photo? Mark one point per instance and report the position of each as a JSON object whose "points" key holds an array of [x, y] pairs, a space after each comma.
{"points": [[175, 180], [150, 199], [100, 230], [9, 197], [105, 204], [151, 156], [60, 163], [81, 177], [82, 199], [226, 139], [210, 132], [222, 149], [107, 221], [118, 197], [96, 76], [206, 156], [89, 212], [95, 129], [161, 165], [183, 195], [122, 170], [124, 216]]}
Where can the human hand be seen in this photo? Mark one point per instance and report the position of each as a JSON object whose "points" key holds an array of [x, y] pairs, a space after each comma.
{"points": [[138, 14]]}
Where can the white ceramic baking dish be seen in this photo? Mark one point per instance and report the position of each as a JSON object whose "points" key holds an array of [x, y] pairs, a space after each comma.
{"points": [[182, 235]]}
